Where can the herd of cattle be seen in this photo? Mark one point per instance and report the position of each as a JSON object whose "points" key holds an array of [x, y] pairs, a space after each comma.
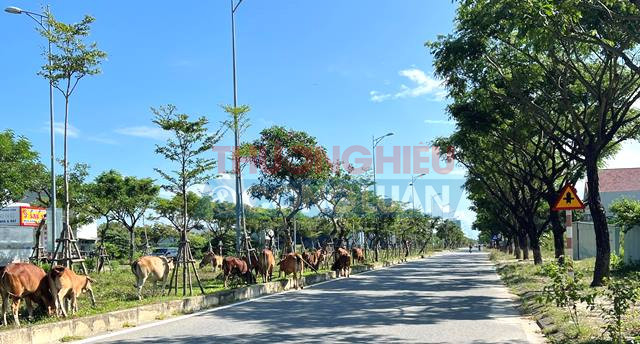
{"points": [[57, 291]]}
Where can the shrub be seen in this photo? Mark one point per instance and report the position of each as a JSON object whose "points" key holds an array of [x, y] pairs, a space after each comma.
{"points": [[621, 294], [567, 289]]}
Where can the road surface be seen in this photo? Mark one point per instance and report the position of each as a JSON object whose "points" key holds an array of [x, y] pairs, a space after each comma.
{"points": [[449, 298]]}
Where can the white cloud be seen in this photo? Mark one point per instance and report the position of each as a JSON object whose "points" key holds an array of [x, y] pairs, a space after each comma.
{"points": [[439, 121], [627, 156], [144, 131], [422, 85], [58, 128]]}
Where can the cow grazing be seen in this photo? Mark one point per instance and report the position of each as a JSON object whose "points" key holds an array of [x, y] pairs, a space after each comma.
{"points": [[24, 280], [342, 263], [266, 263], [64, 283], [213, 259], [315, 258], [292, 263], [153, 268], [358, 255], [232, 266]]}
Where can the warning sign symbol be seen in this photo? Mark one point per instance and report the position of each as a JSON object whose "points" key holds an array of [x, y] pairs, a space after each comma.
{"points": [[568, 199]]}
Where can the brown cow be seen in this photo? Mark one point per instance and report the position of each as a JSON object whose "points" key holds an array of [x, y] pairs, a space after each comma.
{"points": [[315, 258], [64, 283], [342, 263], [155, 268], [358, 255], [232, 266], [292, 264], [24, 280], [266, 263], [213, 259]]}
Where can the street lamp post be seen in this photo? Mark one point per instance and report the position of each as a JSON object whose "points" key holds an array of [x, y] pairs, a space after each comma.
{"points": [[240, 224], [374, 143], [413, 180], [40, 19]]}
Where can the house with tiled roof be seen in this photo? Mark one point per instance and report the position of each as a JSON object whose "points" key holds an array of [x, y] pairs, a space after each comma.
{"points": [[614, 183]]}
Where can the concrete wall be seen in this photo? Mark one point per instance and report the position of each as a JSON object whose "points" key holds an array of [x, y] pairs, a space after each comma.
{"points": [[632, 246], [584, 239], [113, 321]]}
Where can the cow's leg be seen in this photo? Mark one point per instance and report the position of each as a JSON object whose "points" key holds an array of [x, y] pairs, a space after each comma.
{"points": [[61, 302], [141, 282], [93, 299], [29, 304], [226, 280], [15, 306], [5, 305], [74, 303]]}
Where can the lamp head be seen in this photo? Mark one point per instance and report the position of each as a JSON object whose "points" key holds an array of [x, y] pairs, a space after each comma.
{"points": [[389, 134], [13, 10]]}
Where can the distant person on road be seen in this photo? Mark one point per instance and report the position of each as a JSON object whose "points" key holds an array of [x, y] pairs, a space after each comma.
{"points": [[470, 248], [479, 247]]}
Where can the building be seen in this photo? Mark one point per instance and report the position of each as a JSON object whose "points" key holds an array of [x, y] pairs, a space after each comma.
{"points": [[615, 183]]}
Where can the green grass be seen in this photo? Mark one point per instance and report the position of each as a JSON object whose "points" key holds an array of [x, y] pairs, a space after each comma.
{"points": [[114, 290], [527, 281], [70, 338]]}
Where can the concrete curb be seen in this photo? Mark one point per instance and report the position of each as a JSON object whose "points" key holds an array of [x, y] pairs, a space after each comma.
{"points": [[117, 320]]}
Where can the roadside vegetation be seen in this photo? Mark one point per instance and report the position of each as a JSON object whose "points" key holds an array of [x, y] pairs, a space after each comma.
{"points": [[559, 298]]}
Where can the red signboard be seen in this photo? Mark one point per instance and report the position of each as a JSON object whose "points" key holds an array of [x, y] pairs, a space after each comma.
{"points": [[31, 216]]}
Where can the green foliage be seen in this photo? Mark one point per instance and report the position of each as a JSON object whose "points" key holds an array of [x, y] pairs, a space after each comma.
{"points": [[292, 165], [566, 289], [185, 147], [626, 213], [20, 167], [72, 58], [622, 295]]}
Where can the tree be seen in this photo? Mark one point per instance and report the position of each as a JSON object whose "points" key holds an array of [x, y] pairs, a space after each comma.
{"points": [[188, 142], [172, 209], [80, 212], [577, 56], [626, 213], [332, 197], [20, 167], [133, 197], [72, 61], [291, 164]]}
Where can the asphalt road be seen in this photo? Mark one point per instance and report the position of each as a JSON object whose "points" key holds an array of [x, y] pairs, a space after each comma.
{"points": [[448, 298]]}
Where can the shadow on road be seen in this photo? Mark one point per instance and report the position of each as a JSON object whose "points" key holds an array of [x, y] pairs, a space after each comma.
{"points": [[417, 294]]}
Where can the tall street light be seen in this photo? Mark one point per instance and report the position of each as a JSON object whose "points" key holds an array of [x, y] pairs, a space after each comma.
{"points": [[413, 180], [374, 143], [236, 133], [41, 20]]}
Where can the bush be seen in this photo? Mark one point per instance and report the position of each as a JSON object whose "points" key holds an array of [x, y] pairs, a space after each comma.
{"points": [[567, 289], [622, 294]]}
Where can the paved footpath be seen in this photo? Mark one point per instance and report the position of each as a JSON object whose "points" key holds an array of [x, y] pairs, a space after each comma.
{"points": [[448, 298]]}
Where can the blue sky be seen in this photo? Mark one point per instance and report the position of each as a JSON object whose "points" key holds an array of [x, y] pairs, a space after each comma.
{"points": [[340, 70]]}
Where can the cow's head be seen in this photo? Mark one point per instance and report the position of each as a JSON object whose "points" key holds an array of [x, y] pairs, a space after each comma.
{"points": [[208, 258]]}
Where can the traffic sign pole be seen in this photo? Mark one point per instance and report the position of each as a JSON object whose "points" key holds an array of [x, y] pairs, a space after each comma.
{"points": [[569, 229]]}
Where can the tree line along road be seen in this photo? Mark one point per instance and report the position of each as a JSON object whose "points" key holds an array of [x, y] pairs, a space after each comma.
{"points": [[453, 297]]}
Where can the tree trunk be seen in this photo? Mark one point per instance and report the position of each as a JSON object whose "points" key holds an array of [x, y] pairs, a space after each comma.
{"points": [[558, 234], [516, 248], [534, 242], [510, 246], [132, 240], [603, 247], [525, 247]]}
